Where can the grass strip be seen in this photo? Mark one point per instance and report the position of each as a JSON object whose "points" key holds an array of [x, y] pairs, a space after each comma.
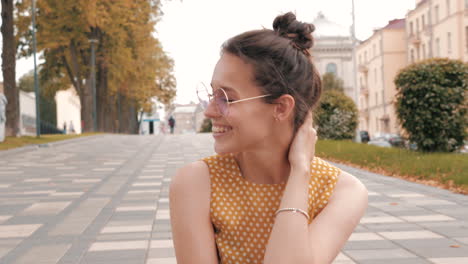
{"points": [[16, 142], [445, 170]]}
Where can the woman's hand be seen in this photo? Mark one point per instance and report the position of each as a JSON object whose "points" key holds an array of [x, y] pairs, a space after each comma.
{"points": [[302, 149]]}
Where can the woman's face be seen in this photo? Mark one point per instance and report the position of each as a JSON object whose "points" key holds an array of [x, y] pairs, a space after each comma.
{"points": [[249, 124]]}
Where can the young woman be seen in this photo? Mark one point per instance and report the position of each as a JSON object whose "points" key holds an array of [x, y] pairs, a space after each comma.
{"points": [[265, 197]]}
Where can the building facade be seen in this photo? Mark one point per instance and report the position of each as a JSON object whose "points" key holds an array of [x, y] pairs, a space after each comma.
{"points": [[437, 28], [68, 111], [188, 117], [379, 59], [333, 52]]}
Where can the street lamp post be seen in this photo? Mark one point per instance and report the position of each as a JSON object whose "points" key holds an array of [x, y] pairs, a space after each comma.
{"points": [[36, 81], [356, 89], [93, 81]]}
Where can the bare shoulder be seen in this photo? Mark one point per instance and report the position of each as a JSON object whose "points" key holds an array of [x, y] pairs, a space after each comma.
{"points": [[192, 178], [192, 172], [348, 184]]}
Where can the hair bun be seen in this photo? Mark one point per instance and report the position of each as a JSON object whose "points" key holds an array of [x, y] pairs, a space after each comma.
{"points": [[298, 32]]}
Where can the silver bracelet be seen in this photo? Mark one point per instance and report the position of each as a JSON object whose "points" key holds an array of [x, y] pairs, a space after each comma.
{"points": [[294, 210]]}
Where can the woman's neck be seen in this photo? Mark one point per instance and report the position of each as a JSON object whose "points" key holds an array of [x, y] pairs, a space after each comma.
{"points": [[264, 167]]}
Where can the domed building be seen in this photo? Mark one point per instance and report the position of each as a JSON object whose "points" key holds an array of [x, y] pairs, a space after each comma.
{"points": [[333, 51]]}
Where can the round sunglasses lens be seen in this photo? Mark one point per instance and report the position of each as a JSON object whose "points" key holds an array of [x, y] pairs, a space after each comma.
{"points": [[203, 97], [221, 101]]}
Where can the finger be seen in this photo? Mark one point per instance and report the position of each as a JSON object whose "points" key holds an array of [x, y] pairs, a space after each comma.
{"points": [[308, 119]]}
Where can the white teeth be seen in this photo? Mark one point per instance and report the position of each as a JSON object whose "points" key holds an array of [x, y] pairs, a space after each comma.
{"points": [[217, 129]]}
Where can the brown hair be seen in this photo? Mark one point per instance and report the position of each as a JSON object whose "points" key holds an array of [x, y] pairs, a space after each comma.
{"points": [[282, 62]]}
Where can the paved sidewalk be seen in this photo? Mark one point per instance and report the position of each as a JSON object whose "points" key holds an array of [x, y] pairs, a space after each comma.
{"points": [[105, 200]]}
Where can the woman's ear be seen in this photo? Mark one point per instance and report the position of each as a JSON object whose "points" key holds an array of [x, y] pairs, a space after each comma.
{"points": [[284, 107]]}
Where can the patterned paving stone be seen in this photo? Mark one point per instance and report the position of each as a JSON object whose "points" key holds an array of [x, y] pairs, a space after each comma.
{"points": [[104, 199]]}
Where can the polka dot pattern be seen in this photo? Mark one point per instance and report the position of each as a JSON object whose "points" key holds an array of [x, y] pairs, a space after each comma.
{"points": [[242, 212]]}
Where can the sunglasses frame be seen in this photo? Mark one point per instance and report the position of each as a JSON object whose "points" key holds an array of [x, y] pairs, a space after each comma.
{"points": [[211, 98]]}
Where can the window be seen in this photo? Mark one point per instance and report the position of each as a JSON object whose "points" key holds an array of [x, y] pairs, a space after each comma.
{"points": [[411, 28], [376, 98], [365, 56], [331, 67], [423, 22], [375, 75], [436, 13], [466, 38], [423, 51], [383, 98], [417, 53], [437, 43], [449, 42], [417, 25], [448, 7], [373, 51], [360, 59], [412, 56]]}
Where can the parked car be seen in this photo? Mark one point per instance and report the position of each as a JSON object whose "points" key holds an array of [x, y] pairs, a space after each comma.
{"points": [[364, 136], [380, 142], [395, 139], [387, 140]]}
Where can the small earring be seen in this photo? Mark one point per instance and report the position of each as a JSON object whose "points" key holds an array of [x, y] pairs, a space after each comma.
{"points": [[276, 118]]}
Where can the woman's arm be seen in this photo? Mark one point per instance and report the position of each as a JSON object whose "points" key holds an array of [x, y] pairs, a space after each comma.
{"points": [[292, 240], [192, 230]]}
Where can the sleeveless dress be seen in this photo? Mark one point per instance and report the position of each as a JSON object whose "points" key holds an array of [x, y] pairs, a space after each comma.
{"points": [[242, 212]]}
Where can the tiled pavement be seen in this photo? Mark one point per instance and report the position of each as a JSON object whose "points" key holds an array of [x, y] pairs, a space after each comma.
{"points": [[104, 199]]}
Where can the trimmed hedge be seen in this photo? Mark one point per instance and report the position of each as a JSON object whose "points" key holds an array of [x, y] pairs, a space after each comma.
{"points": [[432, 103]]}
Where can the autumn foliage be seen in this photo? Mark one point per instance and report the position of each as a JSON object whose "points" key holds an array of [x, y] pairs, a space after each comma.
{"points": [[131, 65]]}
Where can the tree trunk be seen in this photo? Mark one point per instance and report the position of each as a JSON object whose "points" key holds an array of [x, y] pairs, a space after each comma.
{"points": [[128, 116], [106, 106], [9, 69], [87, 107]]}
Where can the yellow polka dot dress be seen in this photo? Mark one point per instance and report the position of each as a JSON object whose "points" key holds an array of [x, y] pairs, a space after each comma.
{"points": [[242, 212]]}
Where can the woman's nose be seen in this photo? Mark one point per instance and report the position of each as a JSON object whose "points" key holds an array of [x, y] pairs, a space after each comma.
{"points": [[211, 110]]}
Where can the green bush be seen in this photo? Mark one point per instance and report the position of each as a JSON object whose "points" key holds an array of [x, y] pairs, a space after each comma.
{"points": [[331, 82], [336, 116], [206, 126], [431, 103]]}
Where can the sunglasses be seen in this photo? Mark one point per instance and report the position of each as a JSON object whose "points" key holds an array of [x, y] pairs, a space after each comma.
{"points": [[220, 98]]}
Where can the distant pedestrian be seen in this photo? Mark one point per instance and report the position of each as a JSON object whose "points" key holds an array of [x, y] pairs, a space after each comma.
{"points": [[171, 122], [72, 128], [3, 103], [65, 127]]}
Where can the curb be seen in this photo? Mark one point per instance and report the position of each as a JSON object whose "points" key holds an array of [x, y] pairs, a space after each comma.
{"points": [[8, 152]]}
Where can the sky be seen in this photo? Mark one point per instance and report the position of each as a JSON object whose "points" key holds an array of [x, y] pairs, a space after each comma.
{"points": [[192, 31]]}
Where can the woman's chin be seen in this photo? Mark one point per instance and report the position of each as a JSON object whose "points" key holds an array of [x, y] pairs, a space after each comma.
{"points": [[222, 149]]}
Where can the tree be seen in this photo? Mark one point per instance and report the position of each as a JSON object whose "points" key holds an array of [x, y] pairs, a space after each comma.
{"points": [[206, 126], [336, 116], [26, 82], [331, 82], [131, 66], [432, 103], [46, 100], [9, 68]]}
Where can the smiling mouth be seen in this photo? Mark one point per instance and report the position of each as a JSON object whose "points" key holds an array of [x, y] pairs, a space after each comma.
{"points": [[220, 129]]}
